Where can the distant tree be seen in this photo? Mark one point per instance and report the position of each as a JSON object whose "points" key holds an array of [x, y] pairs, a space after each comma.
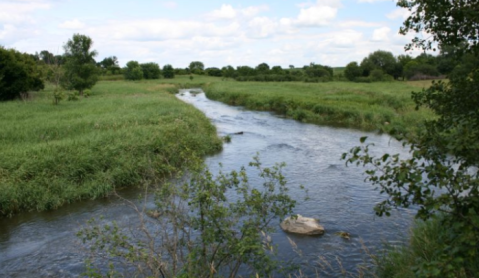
{"points": [[110, 64], [80, 70], [379, 59], [352, 71], [318, 71], [151, 70], [277, 70], [46, 57], [402, 62], [245, 71], [262, 68], [415, 69], [228, 71], [133, 71], [197, 67], [213, 72], [19, 74], [168, 71]]}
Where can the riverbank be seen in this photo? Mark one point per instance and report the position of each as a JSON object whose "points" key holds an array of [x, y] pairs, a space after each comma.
{"points": [[383, 106], [125, 134]]}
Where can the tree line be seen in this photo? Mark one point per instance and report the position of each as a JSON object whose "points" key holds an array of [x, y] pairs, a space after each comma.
{"points": [[77, 69]]}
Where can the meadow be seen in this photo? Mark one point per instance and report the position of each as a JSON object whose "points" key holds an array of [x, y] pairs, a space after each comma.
{"points": [[125, 134], [131, 133], [382, 106]]}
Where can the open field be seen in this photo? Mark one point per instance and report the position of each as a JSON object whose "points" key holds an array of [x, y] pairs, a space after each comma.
{"points": [[385, 106], [125, 134]]}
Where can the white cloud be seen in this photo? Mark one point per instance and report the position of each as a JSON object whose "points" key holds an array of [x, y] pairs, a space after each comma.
{"points": [[72, 24], [225, 12], [347, 39], [319, 14], [162, 29], [358, 23], [19, 12], [372, 1], [262, 27], [254, 10], [316, 16], [381, 34], [399, 13]]}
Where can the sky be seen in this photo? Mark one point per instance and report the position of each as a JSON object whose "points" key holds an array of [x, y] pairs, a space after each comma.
{"points": [[215, 32]]}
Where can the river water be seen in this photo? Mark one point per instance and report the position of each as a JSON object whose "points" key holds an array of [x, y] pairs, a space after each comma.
{"points": [[45, 245]]}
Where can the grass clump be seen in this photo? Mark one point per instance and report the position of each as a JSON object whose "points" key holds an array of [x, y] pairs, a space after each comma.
{"points": [[423, 256], [125, 134]]}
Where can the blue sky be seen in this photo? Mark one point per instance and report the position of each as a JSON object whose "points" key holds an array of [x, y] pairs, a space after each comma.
{"points": [[216, 32]]}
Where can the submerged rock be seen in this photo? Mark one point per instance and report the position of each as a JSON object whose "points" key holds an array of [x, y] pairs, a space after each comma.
{"points": [[302, 225]]}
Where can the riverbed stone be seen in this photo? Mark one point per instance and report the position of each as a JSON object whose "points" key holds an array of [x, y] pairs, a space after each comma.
{"points": [[302, 225]]}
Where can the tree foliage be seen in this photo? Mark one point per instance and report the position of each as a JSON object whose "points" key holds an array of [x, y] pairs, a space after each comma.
{"points": [[168, 71], [110, 64], [19, 74], [211, 226], [441, 175], [151, 70], [80, 70], [133, 71], [197, 67], [352, 71]]}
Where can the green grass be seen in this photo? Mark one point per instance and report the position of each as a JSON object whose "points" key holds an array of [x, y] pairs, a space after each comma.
{"points": [[125, 134], [385, 107], [425, 248]]}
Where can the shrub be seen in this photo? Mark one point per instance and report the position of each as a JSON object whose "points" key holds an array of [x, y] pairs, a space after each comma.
{"points": [[198, 229]]}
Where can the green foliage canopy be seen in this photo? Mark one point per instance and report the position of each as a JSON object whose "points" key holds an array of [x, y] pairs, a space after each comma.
{"points": [[80, 70], [168, 71], [133, 71], [151, 70], [19, 74]]}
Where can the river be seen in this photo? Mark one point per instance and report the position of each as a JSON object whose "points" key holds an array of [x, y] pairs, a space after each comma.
{"points": [[44, 244]]}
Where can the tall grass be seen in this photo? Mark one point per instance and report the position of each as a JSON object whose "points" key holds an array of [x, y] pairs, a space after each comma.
{"points": [[123, 134], [415, 259], [385, 107]]}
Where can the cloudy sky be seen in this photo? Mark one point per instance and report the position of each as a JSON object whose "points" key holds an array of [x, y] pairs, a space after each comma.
{"points": [[216, 32]]}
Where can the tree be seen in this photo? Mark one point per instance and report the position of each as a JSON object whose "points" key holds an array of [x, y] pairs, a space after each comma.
{"points": [[352, 71], [228, 71], [80, 70], [19, 74], [151, 70], [277, 70], [110, 64], [197, 67], [133, 71], [379, 59], [168, 71], [441, 175], [262, 68], [213, 72]]}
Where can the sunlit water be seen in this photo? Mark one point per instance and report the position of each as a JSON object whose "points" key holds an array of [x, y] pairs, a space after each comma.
{"points": [[44, 244]]}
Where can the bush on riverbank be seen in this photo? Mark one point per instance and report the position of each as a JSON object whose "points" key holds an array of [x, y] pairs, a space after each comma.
{"points": [[124, 135]]}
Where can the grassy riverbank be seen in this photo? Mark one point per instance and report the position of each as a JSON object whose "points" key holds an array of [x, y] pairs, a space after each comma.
{"points": [[126, 133], [385, 106]]}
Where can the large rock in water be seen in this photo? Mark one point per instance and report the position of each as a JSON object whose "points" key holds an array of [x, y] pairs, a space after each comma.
{"points": [[302, 225]]}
